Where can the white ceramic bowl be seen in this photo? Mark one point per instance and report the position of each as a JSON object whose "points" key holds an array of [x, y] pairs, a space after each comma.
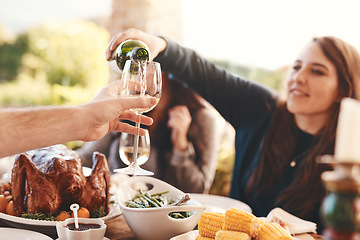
{"points": [[91, 234], [155, 223]]}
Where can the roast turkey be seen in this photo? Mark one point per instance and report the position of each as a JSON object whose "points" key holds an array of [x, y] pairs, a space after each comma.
{"points": [[49, 180]]}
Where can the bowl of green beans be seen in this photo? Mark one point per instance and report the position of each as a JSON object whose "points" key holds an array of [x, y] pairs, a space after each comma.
{"points": [[149, 208]]}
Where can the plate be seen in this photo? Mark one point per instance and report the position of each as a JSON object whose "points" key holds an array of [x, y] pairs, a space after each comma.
{"points": [[215, 203], [187, 236], [21, 234], [48, 227], [193, 234]]}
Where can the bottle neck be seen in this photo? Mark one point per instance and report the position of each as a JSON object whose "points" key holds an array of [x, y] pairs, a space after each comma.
{"points": [[123, 53], [139, 54]]}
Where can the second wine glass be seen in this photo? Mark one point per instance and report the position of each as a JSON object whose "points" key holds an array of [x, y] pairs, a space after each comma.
{"points": [[140, 79], [126, 148]]}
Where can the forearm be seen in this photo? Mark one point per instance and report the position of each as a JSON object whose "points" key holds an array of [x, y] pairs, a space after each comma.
{"points": [[229, 94], [25, 129], [214, 84]]}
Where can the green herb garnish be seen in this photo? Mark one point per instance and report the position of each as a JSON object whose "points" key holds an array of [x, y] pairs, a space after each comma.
{"points": [[39, 216]]}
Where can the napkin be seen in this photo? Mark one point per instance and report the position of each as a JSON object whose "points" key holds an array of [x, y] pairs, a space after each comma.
{"points": [[290, 222]]}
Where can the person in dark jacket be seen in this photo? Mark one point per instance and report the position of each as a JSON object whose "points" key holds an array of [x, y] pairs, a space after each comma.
{"points": [[277, 141]]}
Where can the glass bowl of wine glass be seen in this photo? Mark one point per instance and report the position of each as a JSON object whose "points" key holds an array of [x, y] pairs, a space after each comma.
{"points": [[126, 148]]}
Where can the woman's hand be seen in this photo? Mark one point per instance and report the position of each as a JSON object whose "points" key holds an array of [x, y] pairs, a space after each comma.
{"points": [[156, 44], [106, 108], [179, 123]]}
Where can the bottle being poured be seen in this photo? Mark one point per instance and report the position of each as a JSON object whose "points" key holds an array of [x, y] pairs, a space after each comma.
{"points": [[134, 50]]}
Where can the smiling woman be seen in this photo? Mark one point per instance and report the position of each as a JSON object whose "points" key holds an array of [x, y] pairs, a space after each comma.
{"points": [[312, 88], [324, 72]]}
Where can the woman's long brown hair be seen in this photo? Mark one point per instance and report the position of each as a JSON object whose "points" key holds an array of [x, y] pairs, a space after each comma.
{"points": [[306, 191]]}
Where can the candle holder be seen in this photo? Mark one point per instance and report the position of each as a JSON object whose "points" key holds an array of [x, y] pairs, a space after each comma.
{"points": [[340, 210]]}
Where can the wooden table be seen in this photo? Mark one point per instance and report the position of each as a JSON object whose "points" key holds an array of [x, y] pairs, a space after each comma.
{"points": [[117, 229]]}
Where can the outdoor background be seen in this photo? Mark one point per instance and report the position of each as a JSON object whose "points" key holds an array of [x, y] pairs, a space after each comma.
{"points": [[53, 52]]}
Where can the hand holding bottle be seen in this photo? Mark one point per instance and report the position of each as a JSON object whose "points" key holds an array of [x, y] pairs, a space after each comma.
{"points": [[179, 123], [155, 43]]}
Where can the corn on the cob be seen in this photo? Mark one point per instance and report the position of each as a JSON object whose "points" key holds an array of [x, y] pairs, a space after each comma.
{"points": [[203, 238], [231, 235], [272, 231], [241, 221], [209, 223]]}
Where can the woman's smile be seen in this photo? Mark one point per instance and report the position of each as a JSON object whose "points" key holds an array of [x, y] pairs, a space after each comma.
{"points": [[298, 92]]}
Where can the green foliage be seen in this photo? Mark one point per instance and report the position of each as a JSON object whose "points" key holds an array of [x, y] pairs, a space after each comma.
{"points": [[39, 216], [222, 180], [10, 58], [26, 91], [56, 63], [73, 53], [98, 213], [272, 79]]}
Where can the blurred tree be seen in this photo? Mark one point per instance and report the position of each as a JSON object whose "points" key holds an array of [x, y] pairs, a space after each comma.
{"points": [[72, 53], [11, 53], [56, 63]]}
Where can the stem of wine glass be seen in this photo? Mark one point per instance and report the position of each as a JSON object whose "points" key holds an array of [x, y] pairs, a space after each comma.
{"points": [[136, 141]]}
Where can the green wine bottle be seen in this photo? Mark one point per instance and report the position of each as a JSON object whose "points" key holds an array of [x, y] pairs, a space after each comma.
{"points": [[134, 50]]}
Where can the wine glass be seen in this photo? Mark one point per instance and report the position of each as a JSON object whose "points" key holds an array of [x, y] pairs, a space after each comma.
{"points": [[126, 148], [140, 79]]}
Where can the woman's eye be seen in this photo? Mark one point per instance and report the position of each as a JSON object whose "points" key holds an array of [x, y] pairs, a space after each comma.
{"points": [[317, 71], [296, 67]]}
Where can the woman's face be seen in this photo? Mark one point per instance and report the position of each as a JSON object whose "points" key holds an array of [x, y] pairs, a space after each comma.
{"points": [[312, 83]]}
